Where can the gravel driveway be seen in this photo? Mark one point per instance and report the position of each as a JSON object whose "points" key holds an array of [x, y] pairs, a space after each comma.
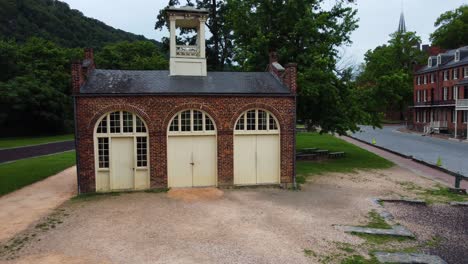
{"points": [[237, 226]]}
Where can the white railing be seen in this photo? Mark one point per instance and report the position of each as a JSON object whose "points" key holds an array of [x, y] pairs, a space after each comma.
{"points": [[463, 103], [439, 124], [187, 51]]}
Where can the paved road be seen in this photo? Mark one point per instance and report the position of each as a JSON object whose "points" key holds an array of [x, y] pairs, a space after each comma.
{"points": [[454, 154], [33, 151]]}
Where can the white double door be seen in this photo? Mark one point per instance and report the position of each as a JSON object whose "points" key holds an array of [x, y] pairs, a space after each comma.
{"points": [[256, 159], [191, 161]]}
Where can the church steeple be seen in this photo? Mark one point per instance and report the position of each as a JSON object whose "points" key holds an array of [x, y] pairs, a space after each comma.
{"points": [[402, 24]]}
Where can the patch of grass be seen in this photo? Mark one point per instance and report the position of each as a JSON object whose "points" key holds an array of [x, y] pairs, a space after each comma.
{"points": [[358, 259], [158, 190], [18, 174], [346, 247], [443, 194], [93, 196], [355, 158], [309, 253], [434, 242], [28, 141], [381, 239], [377, 221]]}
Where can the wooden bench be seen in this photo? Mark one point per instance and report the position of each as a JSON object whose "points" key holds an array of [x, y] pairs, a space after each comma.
{"points": [[305, 157], [336, 155]]}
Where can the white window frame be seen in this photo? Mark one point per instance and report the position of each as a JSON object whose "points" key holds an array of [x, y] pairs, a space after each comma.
{"points": [[418, 80], [425, 95], [192, 131], [457, 56], [466, 71], [445, 93], [432, 78], [439, 60], [455, 92], [418, 96], [424, 116], [243, 118], [425, 79], [445, 75], [134, 134], [453, 116], [455, 73], [429, 62]]}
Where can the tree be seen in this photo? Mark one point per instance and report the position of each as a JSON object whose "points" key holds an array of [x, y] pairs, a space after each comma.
{"points": [[386, 76], [35, 93], [306, 33], [452, 31], [219, 47], [140, 55]]}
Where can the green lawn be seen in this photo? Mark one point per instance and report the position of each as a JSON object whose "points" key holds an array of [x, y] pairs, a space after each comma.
{"points": [[20, 173], [27, 141], [356, 158]]}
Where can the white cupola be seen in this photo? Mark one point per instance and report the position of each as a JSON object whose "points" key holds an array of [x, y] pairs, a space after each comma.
{"points": [[187, 60]]}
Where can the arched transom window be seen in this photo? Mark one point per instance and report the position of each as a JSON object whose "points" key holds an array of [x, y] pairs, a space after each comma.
{"points": [[121, 124], [257, 120], [190, 122]]}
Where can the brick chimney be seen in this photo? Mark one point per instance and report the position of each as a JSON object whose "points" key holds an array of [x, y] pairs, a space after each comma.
{"points": [[82, 69], [288, 75]]}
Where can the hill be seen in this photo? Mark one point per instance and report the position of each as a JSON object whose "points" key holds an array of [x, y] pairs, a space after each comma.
{"points": [[54, 20]]}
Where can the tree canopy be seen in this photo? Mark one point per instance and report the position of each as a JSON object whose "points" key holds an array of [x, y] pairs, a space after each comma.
{"points": [[55, 21], [452, 29], [386, 75]]}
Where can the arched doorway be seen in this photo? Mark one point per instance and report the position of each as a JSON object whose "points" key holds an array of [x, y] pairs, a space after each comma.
{"points": [[256, 148], [121, 152], [192, 150]]}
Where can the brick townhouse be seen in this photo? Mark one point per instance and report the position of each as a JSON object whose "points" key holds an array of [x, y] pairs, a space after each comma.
{"points": [[185, 127], [441, 94]]}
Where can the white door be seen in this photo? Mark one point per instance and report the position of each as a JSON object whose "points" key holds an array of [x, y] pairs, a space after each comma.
{"points": [[123, 164], [191, 161], [256, 159]]}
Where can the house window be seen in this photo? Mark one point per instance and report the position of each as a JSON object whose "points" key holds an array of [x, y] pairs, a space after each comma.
{"points": [[127, 122], [455, 74], [418, 96], [453, 116], [190, 121], [439, 60], [418, 80], [140, 126], [445, 75], [466, 72], [457, 56], [429, 62], [103, 152], [455, 92], [142, 151], [425, 79], [115, 122], [424, 116], [445, 93], [102, 127], [432, 78], [258, 120], [465, 117], [425, 95]]}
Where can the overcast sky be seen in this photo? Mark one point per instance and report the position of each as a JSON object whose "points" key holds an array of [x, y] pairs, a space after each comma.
{"points": [[378, 18]]}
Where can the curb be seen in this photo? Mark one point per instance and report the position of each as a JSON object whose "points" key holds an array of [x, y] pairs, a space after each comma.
{"points": [[411, 158]]}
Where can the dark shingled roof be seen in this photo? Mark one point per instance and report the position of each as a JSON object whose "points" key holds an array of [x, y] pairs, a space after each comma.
{"points": [[159, 82], [448, 61]]}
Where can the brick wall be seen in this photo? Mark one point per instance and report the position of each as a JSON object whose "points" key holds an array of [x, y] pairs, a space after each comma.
{"points": [[157, 111]]}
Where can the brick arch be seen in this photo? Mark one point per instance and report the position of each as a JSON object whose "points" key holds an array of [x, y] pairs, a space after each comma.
{"points": [[269, 108], [119, 107], [189, 106]]}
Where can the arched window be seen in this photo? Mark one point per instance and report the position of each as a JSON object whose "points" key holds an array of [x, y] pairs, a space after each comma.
{"points": [[121, 124], [257, 120], [190, 122]]}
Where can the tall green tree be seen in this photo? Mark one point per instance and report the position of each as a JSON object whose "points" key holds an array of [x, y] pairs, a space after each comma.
{"points": [[139, 55], [452, 29], [386, 75], [303, 32], [35, 91]]}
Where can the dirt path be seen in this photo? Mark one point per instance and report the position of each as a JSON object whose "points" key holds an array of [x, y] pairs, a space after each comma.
{"points": [[409, 164], [21, 208]]}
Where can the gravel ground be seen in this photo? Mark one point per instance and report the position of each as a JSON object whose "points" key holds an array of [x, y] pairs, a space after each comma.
{"points": [[237, 226], [446, 226], [34, 151]]}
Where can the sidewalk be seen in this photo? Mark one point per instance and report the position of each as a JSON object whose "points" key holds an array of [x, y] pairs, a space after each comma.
{"points": [[22, 208], [12, 154], [409, 164]]}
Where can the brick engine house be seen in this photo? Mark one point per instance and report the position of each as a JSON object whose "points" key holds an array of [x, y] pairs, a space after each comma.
{"points": [[185, 127], [441, 94]]}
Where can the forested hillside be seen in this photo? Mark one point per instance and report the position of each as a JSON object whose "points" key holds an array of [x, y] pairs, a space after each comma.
{"points": [[55, 21]]}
